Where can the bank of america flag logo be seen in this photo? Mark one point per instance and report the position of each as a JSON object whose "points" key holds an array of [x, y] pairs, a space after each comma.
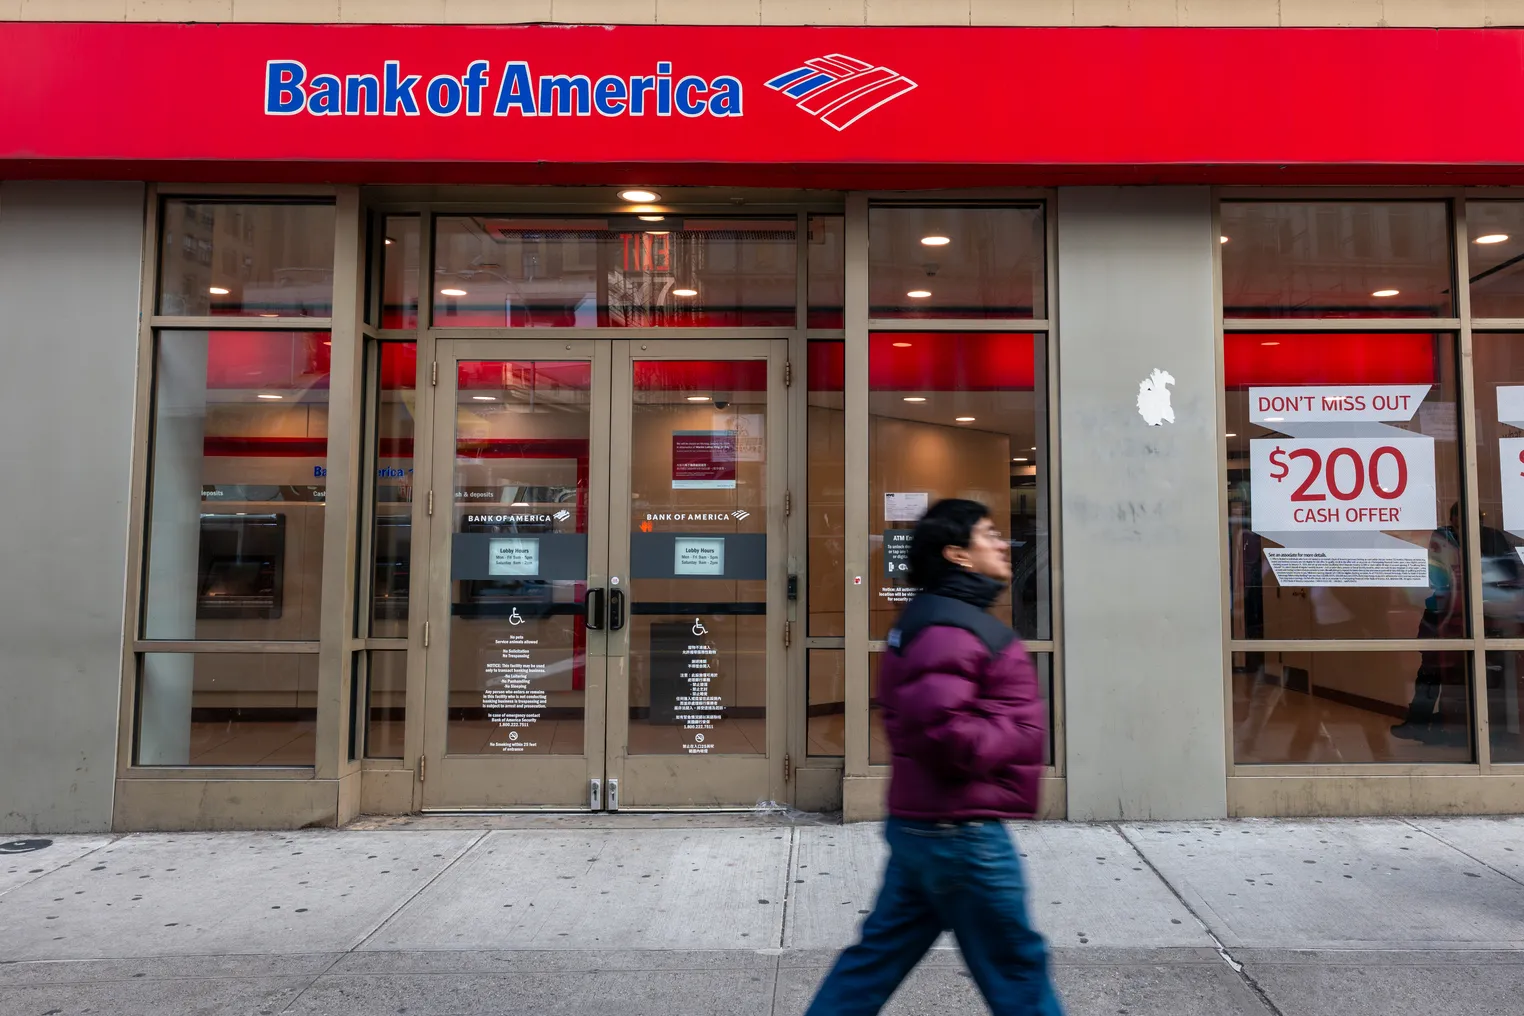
{"points": [[841, 90], [740, 514]]}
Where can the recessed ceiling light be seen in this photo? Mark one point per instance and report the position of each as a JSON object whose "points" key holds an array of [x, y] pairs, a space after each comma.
{"points": [[963, 419], [639, 197], [902, 345], [935, 241], [1493, 238], [218, 291], [272, 397], [1222, 239], [1231, 435], [698, 398], [915, 398], [685, 292], [658, 232], [1034, 448], [388, 241], [652, 218], [1018, 460], [1384, 293], [485, 398], [918, 294], [327, 342], [452, 292], [1269, 343], [269, 315]]}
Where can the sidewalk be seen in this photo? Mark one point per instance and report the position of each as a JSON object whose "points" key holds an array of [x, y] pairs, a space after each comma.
{"points": [[672, 915]]}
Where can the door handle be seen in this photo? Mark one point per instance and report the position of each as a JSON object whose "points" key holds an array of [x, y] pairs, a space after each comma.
{"points": [[592, 606], [616, 609]]}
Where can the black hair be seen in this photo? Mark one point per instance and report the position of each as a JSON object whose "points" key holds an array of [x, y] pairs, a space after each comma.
{"points": [[948, 523]]}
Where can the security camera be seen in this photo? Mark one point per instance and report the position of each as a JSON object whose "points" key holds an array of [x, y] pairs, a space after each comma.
{"points": [[721, 403]]}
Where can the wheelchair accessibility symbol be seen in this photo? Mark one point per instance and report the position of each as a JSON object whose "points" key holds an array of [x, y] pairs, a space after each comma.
{"points": [[698, 627], [514, 617]]}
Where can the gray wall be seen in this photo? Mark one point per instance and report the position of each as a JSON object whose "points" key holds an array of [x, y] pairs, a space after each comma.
{"points": [[1142, 562], [70, 269]]}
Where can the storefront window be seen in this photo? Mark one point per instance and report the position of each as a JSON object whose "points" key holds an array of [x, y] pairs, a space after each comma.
{"points": [[944, 262], [387, 712], [227, 709], [827, 702], [237, 482], [221, 259], [827, 490], [959, 414], [1344, 486], [1336, 259], [399, 272], [828, 271], [620, 272], [1346, 708], [396, 401]]}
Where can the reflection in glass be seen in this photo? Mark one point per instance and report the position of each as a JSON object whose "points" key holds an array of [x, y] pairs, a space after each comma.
{"points": [[959, 414], [399, 272], [246, 259], [878, 742], [1351, 707], [1495, 253], [827, 702], [1505, 706], [828, 271], [518, 560], [395, 401], [227, 709], [1498, 365], [698, 558], [386, 711], [827, 434], [1293, 259], [956, 262], [235, 523], [498, 271], [1420, 590]]}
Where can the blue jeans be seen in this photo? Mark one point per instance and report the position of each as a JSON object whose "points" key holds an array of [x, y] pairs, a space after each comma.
{"points": [[963, 876]]}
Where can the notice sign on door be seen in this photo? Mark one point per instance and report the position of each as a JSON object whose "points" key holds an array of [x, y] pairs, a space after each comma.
{"points": [[513, 557], [704, 557], [704, 459]]}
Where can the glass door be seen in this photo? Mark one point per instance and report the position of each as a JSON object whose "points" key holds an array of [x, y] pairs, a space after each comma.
{"points": [[698, 563], [516, 678]]}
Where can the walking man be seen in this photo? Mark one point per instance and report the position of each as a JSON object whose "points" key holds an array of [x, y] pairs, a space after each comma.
{"points": [[967, 727]]}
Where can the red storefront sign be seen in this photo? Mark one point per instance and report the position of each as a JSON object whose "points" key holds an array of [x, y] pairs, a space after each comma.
{"points": [[769, 105]]}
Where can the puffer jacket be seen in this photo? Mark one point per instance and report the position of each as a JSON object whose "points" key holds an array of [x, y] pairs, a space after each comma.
{"points": [[965, 719]]}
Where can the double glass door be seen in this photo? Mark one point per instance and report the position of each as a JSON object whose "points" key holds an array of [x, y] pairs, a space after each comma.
{"points": [[607, 575]]}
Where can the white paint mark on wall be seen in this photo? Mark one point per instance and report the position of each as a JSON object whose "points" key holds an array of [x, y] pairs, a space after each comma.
{"points": [[1153, 398]]}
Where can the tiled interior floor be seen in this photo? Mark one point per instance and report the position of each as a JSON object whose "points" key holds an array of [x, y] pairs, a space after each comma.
{"points": [[237, 743]]}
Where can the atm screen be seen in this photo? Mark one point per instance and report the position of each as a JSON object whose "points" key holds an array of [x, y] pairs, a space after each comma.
{"points": [[241, 566]]}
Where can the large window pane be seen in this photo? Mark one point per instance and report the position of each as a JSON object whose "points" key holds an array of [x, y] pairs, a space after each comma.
{"points": [[395, 401], [827, 702], [959, 414], [615, 273], [828, 270], [1498, 366], [227, 709], [1293, 259], [1495, 230], [1344, 486], [956, 263], [399, 272], [827, 435], [237, 481], [386, 711], [1354, 707], [1505, 705], [246, 260]]}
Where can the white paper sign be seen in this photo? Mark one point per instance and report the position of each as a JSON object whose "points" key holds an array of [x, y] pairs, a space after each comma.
{"points": [[906, 506], [513, 557], [699, 556], [1332, 484], [1335, 404], [1357, 567]]}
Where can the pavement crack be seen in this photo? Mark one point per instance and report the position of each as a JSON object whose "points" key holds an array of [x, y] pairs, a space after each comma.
{"points": [[1223, 951], [1464, 853], [788, 883]]}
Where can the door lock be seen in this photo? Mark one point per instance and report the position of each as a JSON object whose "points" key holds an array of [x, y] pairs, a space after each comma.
{"points": [[616, 609]]}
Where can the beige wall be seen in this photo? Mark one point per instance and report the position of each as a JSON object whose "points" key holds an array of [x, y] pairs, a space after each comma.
{"points": [[1286, 13]]}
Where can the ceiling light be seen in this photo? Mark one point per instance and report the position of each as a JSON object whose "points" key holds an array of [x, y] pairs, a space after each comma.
{"points": [[327, 342], [1222, 239], [902, 345], [658, 232], [485, 398], [262, 396], [915, 398], [388, 241], [1269, 343], [652, 218], [1493, 238], [1384, 292], [639, 197], [1018, 460], [918, 294], [218, 291], [698, 398], [1034, 448], [1231, 435], [519, 504], [935, 241], [452, 292], [963, 419], [269, 315], [685, 292]]}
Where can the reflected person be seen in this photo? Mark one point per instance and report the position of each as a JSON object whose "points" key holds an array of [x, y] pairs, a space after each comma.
{"points": [[967, 727]]}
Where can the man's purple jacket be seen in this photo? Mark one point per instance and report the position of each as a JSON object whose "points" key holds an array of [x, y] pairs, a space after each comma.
{"points": [[966, 721]]}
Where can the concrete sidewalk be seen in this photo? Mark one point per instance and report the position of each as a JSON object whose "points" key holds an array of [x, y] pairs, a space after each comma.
{"points": [[742, 914]]}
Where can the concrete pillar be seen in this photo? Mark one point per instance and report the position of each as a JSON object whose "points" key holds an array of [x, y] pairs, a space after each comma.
{"points": [[1142, 556]]}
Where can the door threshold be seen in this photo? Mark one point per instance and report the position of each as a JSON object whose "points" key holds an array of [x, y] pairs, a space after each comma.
{"points": [[563, 818]]}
